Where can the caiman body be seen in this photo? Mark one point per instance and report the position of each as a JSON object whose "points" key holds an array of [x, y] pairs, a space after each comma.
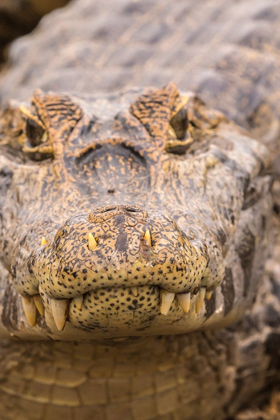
{"points": [[136, 226]]}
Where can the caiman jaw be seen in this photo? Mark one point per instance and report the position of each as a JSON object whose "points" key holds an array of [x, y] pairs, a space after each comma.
{"points": [[64, 309], [116, 261]]}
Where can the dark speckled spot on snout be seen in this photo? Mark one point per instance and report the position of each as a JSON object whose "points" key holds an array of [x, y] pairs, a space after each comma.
{"points": [[121, 243], [119, 220]]}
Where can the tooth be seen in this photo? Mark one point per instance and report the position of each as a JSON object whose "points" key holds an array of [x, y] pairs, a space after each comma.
{"points": [[39, 304], [184, 300], [166, 301], [92, 244], [147, 237], [59, 311], [29, 310], [209, 294], [134, 290], [43, 241], [78, 301], [200, 298]]}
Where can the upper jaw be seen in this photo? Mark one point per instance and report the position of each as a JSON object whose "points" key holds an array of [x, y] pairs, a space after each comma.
{"points": [[89, 253]]}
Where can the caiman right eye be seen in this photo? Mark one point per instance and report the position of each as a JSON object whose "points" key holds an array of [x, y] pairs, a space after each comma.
{"points": [[34, 132], [179, 139]]}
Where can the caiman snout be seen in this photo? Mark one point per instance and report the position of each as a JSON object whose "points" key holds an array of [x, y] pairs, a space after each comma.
{"points": [[114, 257], [118, 246]]}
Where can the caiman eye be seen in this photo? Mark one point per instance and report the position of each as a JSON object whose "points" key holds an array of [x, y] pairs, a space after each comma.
{"points": [[36, 144], [179, 139], [179, 123], [34, 132]]}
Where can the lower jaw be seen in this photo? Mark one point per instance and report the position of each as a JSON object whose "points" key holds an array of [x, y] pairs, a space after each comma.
{"points": [[120, 313]]}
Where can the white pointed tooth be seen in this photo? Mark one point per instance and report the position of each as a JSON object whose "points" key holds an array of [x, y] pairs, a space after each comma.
{"points": [[78, 301], [200, 299], [148, 238], [209, 294], [59, 311], [43, 241], [134, 290], [184, 300], [39, 304], [29, 310], [166, 299], [92, 244]]}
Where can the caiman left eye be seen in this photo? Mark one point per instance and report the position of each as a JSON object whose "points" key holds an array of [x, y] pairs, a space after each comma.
{"points": [[36, 143], [179, 140], [179, 123]]}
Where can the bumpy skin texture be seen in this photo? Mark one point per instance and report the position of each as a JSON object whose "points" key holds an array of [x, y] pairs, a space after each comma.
{"points": [[198, 375], [227, 227], [207, 212]]}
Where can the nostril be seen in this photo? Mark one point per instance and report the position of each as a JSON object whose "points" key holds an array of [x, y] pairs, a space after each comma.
{"points": [[108, 209], [133, 209]]}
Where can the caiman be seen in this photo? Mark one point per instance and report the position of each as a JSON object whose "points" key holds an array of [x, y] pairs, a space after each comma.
{"points": [[135, 225]]}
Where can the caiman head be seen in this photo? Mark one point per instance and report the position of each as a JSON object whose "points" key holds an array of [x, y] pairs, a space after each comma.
{"points": [[139, 213]]}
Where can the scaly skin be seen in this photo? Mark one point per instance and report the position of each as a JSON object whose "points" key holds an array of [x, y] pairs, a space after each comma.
{"points": [[161, 224], [72, 155], [200, 375]]}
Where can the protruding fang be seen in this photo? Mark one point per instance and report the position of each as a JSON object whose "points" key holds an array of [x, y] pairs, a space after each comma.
{"points": [[29, 310], [134, 290], [209, 294], [200, 299], [147, 237], [39, 304], [92, 244], [166, 299], [78, 301], [184, 300], [59, 311], [43, 241]]}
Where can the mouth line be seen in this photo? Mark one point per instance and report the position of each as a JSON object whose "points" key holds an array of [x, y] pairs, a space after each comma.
{"points": [[35, 305]]}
